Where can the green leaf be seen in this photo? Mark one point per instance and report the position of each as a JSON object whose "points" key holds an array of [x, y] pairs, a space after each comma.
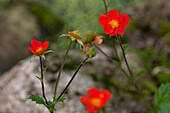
{"points": [[139, 73], [39, 78], [33, 57], [121, 56], [80, 42], [64, 35], [125, 47], [50, 106], [44, 69], [164, 108], [117, 63], [62, 98], [37, 99], [162, 95]]}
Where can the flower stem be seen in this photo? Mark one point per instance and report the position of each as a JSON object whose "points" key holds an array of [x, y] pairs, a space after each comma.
{"points": [[105, 5], [112, 60], [101, 111], [131, 75], [114, 47], [72, 78], [61, 68], [42, 82]]}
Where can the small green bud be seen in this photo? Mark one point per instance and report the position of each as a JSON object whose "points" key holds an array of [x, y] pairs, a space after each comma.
{"points": [[91, 52]]}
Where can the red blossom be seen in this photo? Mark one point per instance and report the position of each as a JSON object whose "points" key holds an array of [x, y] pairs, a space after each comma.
{"points": [[114, 23], [37, 47], [96, 99]]}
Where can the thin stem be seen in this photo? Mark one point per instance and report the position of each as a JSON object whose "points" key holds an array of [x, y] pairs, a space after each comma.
{"points": [[112, 60], [61, 68], [42, 82], [125, 57], [72, 78], [105, 5], [114, 47]]}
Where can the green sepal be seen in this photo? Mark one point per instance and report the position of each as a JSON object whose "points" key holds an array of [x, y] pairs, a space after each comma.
{"points": [[32, 58], [39, 78], [49, 51], [89, 38], [91, 52], [43, 56], [80, 42], [37, 99], [64, 35], [73, 39]]}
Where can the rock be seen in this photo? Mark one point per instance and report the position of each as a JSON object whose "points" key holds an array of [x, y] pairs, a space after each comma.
{"points": [[20, 81], [17, 84]]}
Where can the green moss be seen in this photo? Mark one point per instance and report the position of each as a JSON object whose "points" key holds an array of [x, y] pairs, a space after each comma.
{"points": [[52, 80], [152, 58], [148, 87], [94, 76], [164, 78], [71, 65], [165, 28], [46, 18]]}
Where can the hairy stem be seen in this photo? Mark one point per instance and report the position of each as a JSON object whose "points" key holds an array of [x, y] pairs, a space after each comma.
{"points": [[105, 5], [114, 47], [72, 78], [125, 57], [61, 68], [42, 82]]}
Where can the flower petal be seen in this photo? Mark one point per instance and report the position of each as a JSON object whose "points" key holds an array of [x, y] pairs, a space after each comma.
{"points": [[92, 109], [85, 100], [108, 29], [103, 19], [115, 31], [106, 95], [121, 30], [125, 20], [98, 39], [34, 43], [46, 44], [86, 47], [31, 49], [113, 14], [93, 92], [120, 18]]}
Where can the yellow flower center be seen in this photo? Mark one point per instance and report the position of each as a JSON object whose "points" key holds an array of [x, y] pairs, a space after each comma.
{"points": [[96, 102], [114, 24], [39, 49]]}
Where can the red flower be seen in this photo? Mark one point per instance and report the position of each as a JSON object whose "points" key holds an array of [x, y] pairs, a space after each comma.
{"points": [[96, 99], [38, 48], [114, 23]]}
